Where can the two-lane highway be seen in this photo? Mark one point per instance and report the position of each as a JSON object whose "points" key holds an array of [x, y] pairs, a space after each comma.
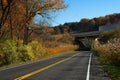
{"points": [[72, 66]]}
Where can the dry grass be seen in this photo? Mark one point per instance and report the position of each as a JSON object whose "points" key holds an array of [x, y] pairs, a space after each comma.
{"points": [[110, 52], [59, 49], [109, 55]]}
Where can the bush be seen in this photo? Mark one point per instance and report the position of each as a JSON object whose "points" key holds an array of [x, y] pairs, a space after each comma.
{"points": [[11, 53], [108, 35], [8, 52], [38, 50], [110, 52], [25, 53], [103, 53], [33, 51], [110, 49], [114, 46]]}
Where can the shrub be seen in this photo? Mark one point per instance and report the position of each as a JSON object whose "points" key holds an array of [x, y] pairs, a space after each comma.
{"points": [[37, 49], [103, 53], [108, 35], [114, 46], [110, 52], [25, 53], [8, 52]]}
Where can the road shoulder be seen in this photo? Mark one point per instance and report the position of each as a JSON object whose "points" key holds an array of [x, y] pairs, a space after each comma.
{"points": [[97, 72]]}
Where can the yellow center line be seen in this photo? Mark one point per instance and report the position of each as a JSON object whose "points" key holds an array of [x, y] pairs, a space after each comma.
{"points": [[44, 68]]}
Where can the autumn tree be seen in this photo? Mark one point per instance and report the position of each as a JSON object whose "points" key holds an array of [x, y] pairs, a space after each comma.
{"points": [[5, 6], [99, 21], [41, 7], [16, 16]]}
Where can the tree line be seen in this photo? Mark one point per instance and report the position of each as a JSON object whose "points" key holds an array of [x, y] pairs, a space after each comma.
{"points": [[86, 25]]}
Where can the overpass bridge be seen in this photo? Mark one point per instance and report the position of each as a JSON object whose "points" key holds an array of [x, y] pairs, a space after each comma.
{"points": [[87, 34], [88, 40]]}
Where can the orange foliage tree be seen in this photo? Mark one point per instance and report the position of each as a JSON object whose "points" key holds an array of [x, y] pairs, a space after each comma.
{"points": [[41, 7], [5, 6], [16, 16]]}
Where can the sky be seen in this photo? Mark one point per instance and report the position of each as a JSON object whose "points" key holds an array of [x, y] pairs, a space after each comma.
{"points": [[78, 9]]}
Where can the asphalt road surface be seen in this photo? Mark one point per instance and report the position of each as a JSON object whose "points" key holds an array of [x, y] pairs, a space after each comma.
{"points": [[79, 65]]}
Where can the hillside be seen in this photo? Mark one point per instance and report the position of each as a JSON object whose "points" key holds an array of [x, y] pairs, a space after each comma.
{"points": [[86, 24]]}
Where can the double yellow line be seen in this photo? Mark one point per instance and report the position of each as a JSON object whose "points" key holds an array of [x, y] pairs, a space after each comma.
{"points": [[44, 68]]}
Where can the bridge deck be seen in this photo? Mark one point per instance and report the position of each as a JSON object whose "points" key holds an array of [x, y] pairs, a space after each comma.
{"points": [[87, 34]]}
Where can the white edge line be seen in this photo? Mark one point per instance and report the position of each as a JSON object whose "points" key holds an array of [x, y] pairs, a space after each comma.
{"points": [[88, 69]]}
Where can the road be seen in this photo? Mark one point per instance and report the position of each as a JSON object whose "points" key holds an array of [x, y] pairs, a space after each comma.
{"points": [[79, 65]]}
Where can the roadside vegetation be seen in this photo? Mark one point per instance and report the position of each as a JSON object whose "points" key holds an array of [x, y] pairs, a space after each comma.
{"points": [[21, 40], [13, 52], [109, 53]]}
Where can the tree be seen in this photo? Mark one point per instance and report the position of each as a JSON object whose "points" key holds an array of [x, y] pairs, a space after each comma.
{"points": [[99, 21], [41, 7], [16, 16], [5, 6]]}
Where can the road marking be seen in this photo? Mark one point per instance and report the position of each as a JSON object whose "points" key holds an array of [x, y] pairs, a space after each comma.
{"points": [[23, 64], [2, 69], [44, 68], [88, 70]]}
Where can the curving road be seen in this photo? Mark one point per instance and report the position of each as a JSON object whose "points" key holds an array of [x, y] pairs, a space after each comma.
{"points": [[79, 65]]}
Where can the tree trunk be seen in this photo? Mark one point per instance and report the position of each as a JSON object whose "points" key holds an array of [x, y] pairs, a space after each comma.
{"points": [[25, 40], [11, 30]]}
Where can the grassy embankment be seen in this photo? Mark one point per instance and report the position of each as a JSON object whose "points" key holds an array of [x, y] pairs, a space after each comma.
{"points": [[11, 53], [109, 53]]}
